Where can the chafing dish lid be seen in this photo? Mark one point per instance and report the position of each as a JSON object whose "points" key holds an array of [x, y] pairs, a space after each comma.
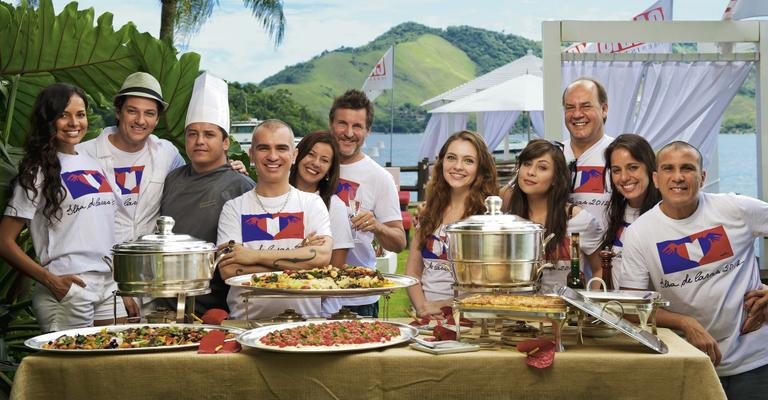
{"points": [[494, 221], [164, 241]]}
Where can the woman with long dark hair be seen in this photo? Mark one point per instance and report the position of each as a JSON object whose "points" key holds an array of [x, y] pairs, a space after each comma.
{"points": [[316, 170], [539, 193], [69, 206], [630, 161], [463, 176]]}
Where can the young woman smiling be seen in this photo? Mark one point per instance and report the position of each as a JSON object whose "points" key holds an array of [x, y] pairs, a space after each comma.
{"points": [[631, 161], [68, 204], [316, 170], [463, 176], [540, 194]]}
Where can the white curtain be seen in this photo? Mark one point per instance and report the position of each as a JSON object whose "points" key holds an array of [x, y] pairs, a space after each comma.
{"points": [[439, 128], [686, 101], [537, 120], [621, 80], [496, 125]]}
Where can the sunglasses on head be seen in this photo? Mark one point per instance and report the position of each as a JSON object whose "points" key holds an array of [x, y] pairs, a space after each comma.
{"points": [[559, 145]]}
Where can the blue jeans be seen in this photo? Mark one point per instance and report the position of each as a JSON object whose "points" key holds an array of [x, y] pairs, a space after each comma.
{"points": [[746, 385], [369, 310]]}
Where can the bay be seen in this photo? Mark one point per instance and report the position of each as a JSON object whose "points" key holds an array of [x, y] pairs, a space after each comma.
{"points": [[737, 156]]}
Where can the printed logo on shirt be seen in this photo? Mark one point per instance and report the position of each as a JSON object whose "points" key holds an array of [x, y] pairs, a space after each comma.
{"points": [[129, 178], [272, 226], [589, 179], [435, 248], [619, 232], [695, 250], [83, 182], [347, 189]]}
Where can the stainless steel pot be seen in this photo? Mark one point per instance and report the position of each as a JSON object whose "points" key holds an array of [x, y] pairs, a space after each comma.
{"points": [[164, 264], [496, 250]]}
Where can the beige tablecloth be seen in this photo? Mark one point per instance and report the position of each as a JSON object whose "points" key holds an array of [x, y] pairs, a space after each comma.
{"points": [[614, 368]]}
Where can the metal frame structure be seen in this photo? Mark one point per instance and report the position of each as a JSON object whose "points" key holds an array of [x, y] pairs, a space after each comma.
{"points": [[554, 33]]}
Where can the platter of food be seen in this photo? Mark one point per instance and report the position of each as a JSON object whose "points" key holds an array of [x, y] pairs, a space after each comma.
{"points": [[328, 336], [127, 338], [326, 281]]}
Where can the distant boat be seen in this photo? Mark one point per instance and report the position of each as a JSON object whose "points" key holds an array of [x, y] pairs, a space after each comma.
{"points": [[242, 131]]}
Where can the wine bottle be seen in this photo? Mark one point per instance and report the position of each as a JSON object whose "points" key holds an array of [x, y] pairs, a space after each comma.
{"points": [[575, 280]]}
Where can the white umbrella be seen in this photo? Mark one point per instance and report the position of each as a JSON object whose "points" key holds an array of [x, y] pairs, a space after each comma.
{"points": [[524, 93]]}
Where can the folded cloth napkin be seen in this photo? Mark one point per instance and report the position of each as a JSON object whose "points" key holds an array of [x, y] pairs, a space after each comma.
{"points": [[541, 352], [214, 342], [214, 316]]}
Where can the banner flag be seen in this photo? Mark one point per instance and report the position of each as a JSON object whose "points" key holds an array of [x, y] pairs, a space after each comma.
{"points": [[659, 11], [380, 78], [741, 9]]}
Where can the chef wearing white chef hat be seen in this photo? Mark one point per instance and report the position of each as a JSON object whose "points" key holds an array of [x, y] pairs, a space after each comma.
{"points": [[195, 194]]}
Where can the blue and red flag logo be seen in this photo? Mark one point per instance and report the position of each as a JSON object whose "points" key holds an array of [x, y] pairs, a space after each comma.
{"points": [[435, 248], [346, 190], [128, 179], [589, 179], [617, 239], [272, 226], [83, 182], [695, 250]]}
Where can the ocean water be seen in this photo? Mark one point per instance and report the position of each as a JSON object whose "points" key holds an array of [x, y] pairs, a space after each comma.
{"points": [[736, 154]]}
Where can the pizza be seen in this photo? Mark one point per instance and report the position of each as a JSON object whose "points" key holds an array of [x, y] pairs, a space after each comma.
{"points": [[519, 302], [324, 278], [129, 338], [332, 334]]}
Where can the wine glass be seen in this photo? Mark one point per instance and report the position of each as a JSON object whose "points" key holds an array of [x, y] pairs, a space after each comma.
{"points": [[353, 208]]}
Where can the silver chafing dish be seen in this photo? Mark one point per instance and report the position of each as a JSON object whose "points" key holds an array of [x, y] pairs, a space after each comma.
{"points": [[164, 264], [496, 250]]}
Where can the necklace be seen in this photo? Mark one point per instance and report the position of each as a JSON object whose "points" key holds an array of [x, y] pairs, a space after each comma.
{"points": [[258, 199]]}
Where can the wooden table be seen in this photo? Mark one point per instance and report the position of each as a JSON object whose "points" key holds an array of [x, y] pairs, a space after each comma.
{"points": [[600, 369]]}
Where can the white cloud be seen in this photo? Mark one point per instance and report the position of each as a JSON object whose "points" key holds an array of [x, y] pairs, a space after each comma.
{"points": [[235, 47]]}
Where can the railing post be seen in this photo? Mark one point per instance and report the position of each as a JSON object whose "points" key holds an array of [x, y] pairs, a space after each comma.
{"points": [[422, 177]]}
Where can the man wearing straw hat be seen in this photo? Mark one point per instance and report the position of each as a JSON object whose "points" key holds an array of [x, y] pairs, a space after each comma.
{"points": [[136, 161], [194, 194]]}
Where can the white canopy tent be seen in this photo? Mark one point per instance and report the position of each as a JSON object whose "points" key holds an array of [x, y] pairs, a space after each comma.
{"points": [[665, 96], [497, 107]]}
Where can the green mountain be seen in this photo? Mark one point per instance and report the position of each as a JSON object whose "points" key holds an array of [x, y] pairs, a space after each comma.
{"points": [[428, 61]]}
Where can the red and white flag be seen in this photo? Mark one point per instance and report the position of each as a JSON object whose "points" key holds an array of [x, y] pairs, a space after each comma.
{"points": [[659, 11], [740, 9], [381, 78]]}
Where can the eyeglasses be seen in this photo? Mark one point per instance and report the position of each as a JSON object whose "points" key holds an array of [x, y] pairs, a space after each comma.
{"points": [[572, 168]]}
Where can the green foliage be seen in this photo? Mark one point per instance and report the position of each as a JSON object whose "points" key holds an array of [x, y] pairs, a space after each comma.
{"points": [[488, 49], [279, 104]]}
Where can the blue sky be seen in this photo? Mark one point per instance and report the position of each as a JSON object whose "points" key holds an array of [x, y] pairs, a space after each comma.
{"points": [[235, 48]]}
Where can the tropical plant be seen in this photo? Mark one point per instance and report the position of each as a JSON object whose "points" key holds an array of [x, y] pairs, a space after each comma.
{"points": [[37, 48], [182, 19]]}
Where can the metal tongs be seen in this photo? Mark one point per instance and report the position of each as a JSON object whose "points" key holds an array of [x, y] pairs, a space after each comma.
{"points": [[440, 344]]}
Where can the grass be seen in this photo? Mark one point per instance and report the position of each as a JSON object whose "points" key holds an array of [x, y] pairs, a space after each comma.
{"points": [[399, 301]]}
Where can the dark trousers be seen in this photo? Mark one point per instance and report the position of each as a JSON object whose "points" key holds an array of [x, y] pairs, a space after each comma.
{"points": [[747, 385], [368, 310]]}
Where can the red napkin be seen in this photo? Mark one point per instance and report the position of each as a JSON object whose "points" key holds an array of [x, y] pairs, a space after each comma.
{"points": [[541, 352], [442, 333], [213, 343], [448, 314], [214, 316]]}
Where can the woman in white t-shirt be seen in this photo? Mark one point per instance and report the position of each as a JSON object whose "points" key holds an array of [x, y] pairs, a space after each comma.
{"points": [[540, 193], [67, 202], [316, 170], [631, 161], [463, 176]]}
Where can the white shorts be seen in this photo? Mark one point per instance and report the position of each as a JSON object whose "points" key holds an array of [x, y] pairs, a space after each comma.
{"points": [[81, 305]]}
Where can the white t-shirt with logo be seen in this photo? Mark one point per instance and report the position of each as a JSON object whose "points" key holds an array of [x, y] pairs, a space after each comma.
{"points": [[243, 220], [372, 185], [592, 190], [341, 230], [129, 172], [590, 234], [630, 215], [437, 275], [85, 235], [704, 265]]}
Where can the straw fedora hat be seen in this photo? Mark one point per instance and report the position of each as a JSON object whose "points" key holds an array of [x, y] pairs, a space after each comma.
{"points": [[142, 84]]}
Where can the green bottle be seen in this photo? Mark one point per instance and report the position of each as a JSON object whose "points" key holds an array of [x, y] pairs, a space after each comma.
{"points": [[575, 280]]}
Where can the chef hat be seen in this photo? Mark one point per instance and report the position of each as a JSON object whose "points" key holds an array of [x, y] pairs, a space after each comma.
{"points": [[209, 102]]}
